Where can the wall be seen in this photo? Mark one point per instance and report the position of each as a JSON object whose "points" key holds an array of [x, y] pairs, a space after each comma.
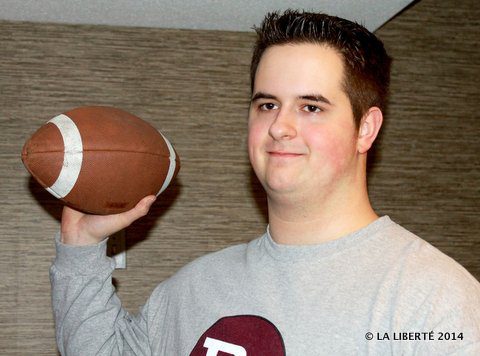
{"points": [[427, 163], [193, 85]]}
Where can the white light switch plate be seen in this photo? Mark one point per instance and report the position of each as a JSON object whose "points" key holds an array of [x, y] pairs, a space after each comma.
{"points": [[116, 249]]}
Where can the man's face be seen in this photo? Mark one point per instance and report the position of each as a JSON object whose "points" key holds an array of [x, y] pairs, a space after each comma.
{"points": [[302, 135]]}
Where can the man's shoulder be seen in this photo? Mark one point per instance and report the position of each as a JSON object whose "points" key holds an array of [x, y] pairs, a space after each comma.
{"points": [[422, 257], [422, 271]]}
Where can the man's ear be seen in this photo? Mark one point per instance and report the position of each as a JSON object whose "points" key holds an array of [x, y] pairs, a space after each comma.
{"points": [[369, 128]]}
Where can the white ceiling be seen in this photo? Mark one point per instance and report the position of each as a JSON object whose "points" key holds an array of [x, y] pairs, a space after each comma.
{"points": [[239, 15]]}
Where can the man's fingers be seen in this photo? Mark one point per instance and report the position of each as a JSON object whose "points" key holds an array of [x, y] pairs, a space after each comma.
{"points": [[141, 209], [83, 229]]}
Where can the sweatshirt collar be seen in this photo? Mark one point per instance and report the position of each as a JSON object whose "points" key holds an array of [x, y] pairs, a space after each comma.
{"points": [[303, 252]]}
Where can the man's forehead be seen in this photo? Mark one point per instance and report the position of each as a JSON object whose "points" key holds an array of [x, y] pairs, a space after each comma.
{"points": [[320, 49], [318, 59], [303, 69]]}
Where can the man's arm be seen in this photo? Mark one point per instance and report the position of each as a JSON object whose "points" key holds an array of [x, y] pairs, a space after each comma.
{"points": [[89, 318]]}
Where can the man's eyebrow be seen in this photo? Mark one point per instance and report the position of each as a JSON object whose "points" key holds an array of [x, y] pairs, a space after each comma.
{"points": [[315, 97], [312, 97], [261, 95]]}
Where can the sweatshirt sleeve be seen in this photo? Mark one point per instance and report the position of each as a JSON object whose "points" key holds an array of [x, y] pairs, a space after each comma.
{"points": [[89, 318]]}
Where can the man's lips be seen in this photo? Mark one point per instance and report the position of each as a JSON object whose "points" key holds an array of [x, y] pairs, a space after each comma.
{"points": [[284, 154]]}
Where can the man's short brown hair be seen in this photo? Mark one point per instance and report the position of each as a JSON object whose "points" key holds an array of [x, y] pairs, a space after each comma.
{"points": [[366, 63]]}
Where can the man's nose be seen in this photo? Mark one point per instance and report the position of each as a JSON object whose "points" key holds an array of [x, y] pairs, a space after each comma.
{"points": [[284, 126]]}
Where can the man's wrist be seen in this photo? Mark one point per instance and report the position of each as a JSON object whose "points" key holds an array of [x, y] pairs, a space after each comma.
{"points": [[82, 259]]}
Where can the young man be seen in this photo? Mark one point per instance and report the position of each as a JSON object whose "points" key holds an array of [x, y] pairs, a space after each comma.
{"points": [[329, 276]]}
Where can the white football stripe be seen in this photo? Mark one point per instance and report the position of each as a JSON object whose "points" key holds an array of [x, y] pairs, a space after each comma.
{"points": [[72, 157], [171, 168]]}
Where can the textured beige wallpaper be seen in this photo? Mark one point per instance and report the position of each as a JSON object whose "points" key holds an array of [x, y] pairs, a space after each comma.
{"points": [[427, 172], [193, 85]]}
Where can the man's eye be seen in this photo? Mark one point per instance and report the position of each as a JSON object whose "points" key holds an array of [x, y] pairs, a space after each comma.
{"points": [[267, 106], [311, 108]]}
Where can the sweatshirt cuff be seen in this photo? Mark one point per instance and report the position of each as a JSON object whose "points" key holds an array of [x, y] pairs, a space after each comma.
{"points": [[82, 260]]}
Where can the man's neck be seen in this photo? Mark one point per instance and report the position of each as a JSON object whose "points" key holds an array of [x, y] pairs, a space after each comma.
{"points": [[318, 222]]}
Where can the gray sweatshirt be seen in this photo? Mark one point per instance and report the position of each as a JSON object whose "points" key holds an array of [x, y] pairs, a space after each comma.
{"points": [[378, 291]]}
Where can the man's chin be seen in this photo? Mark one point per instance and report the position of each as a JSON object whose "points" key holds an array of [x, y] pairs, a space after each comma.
{"points": [[281, 187]]}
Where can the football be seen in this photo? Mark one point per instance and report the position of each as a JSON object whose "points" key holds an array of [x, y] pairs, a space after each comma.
{"points": [[100, 160]]}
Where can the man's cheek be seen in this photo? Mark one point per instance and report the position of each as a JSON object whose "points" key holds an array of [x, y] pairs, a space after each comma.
{"points": [[332, 150], [256, 134], [254, 143]]}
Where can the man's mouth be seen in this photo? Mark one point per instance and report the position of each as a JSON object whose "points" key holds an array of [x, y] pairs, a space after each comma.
{"points": [[282, 154]]}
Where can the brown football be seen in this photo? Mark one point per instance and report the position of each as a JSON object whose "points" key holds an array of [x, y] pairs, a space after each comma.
{"points": [[100, 160]]}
